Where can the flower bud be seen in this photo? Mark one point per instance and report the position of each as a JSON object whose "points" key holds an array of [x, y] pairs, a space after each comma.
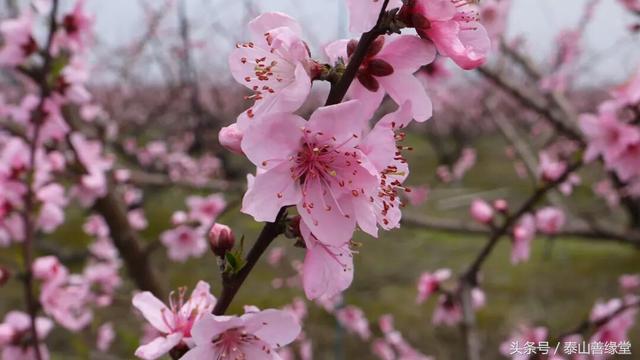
{"points": [[481, 211], [501, 205], [221, 239], [230, 137]]}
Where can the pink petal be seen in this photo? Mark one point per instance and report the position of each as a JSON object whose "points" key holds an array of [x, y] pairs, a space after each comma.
{"points": [[380, 144], [258, 350], [437, 10], [323, 215], [399, 118], [203, 352], [209, 326], [271, 20], [158, 347], [275, 327], [363, 14], [405, 87], [272, 139], [365, 215], [408, 53], [270, 191], [369, 101], [467, 47], [336, 50], [327, 270], [152, 309], [340, 121]]}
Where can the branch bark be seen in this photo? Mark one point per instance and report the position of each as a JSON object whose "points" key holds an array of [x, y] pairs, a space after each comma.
{"points": [[30, 197], [128, 243], [469, 279]]}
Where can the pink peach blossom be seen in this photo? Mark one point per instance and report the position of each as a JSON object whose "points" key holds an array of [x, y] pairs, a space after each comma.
{"points": [[106, 336], [523, 234], [18, 41], [315, 165], [447, 312], [630, 282], [429, 283], [184, 242], [550, 169], [255, 335], [617, 324], [176, 322], [454, 28], [76, 27], [275, 65], [550, 220], [206, 209], [354, 320], [15, 329], [68, 301], [606, 135]]}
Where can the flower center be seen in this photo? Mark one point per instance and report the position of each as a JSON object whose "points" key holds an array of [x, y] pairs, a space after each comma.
{"points": [[231, 343]]}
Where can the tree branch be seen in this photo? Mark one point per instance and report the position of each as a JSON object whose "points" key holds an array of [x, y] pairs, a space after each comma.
{"points": [[338, 91]]}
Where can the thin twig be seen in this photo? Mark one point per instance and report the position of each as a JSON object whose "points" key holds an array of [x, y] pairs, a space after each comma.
{"points": [[338, 92], [583, 327], [28, 215]]}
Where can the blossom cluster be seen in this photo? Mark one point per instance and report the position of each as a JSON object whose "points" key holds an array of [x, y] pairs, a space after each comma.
{"points": [[340, 173]]}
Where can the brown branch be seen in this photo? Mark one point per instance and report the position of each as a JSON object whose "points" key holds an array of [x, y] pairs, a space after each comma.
{"points": [[143, 178], [527, 101], [469, 228], [469, 279], [471, 274], [586, 325], [126, 240], [128, 243], [29, 208], [232, 283], [338, 91]]}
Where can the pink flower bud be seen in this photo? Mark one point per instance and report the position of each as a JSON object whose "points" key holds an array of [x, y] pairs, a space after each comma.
{"points": [[481, 211], [230, 137], [501, 205], [221, 239]]}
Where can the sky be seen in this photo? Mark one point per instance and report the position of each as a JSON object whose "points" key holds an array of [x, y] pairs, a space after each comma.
{"points": [[611, 52]]}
